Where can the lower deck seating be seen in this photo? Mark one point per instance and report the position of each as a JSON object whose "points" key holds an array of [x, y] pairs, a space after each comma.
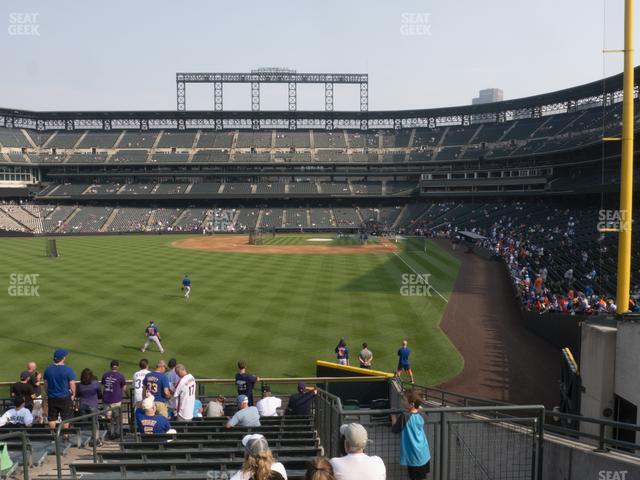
{"points": [[203, 446]]}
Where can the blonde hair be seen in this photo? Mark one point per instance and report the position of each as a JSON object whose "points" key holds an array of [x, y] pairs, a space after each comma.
{"points": [[319, 469], [258, 465]]}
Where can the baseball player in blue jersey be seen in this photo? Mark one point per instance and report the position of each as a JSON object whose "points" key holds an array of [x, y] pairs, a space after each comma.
{"points": [[186, 286], [153, 335]]}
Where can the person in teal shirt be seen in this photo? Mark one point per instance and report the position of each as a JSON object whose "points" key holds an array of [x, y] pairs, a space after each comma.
{"points": [[414, 446]]}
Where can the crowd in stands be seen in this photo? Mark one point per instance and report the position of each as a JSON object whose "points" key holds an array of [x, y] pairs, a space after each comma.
{"points": [[168, 394], [552, 253]]}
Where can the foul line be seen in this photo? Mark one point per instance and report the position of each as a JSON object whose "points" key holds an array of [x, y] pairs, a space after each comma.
{"points": [[420, 277]]}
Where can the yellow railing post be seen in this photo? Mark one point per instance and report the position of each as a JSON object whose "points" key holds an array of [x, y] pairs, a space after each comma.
{"points": [[626, 177]]}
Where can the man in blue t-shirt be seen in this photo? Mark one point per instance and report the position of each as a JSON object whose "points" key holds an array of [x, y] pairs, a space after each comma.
{"points": [[150, 423], [246, 416], [245, 381], [59, 382], [403, 361], [156, 384]]}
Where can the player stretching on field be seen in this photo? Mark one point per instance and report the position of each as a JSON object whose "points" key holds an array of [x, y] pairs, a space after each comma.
{"points": [[153, 335], [403, 361], [186, 286]]}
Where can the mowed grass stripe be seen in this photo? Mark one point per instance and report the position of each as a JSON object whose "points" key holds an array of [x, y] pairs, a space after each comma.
{"points": [[278, 312]]}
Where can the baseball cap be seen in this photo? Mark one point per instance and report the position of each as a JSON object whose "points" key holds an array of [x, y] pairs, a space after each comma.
{"points": [[25, 374], [115, 363], [255, 444], [60, 354], [19, 400], [301, 386], [147, 403], [242, 398], [355, 434]]}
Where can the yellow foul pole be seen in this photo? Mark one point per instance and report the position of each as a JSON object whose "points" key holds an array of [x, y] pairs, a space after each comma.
{"points": [[626, 180]]}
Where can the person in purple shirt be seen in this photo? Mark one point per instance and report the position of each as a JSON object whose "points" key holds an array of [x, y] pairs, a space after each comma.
{"points": [[88, 392], [342, 352], [115, 386]]}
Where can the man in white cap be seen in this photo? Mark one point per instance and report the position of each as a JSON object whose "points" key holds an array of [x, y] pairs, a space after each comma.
{"points": [[357, 465], [150, 423], [246, 416]]}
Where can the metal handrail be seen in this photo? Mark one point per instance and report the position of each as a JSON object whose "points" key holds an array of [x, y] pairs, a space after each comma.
{"points": [[94, 432], [230, 381], [25, 443], [600, 438], [535, 417]]}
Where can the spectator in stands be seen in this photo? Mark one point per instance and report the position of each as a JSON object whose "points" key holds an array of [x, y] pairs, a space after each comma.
{"points": [[24, 389], [414, 447], [258, 461], [173, 379], [356, 465], [36, 383], [115, 386], [300, 403], [342, 352], [245, 381], [18, 416], [138, 378], [268, 405], [184, 395], [215, 408], [59, 382], [365, 357], [319, 469], [246, 416], [88, 392], [36, 377], [198, 409], [156, 383], [150, 423]]}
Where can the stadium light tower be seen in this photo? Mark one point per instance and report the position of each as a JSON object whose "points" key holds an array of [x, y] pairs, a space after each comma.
{"points": [[626, 180]]}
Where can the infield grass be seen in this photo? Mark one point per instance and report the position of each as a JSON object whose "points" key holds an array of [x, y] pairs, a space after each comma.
{"points": [[278, 312]]}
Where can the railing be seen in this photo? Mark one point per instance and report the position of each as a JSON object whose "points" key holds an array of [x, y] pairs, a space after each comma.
{"points": [[116, 416], [25, 449], [502, 441], [565, 424]]}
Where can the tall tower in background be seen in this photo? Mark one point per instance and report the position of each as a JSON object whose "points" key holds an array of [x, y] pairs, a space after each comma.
{"points": [[488, 95]]}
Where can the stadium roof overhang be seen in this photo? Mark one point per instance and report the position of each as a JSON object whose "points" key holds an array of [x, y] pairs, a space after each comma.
{"points": [[608, 90]]}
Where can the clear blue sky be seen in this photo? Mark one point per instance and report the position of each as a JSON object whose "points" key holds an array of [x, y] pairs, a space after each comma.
{"points": [[123, 54]]}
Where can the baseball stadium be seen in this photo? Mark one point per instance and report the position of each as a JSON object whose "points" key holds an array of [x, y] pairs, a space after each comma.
{"points": [[471, 271]]}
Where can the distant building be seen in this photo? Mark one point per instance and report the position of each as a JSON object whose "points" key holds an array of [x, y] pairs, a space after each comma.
{"points": [[488, 95]]}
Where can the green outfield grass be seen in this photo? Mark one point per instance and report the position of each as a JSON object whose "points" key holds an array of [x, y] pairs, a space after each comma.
{"points": [[278, 312]]}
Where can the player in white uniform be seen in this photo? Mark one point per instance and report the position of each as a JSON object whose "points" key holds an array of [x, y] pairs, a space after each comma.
{"points": [[186, 286], [185, 394], [138, 377]]}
